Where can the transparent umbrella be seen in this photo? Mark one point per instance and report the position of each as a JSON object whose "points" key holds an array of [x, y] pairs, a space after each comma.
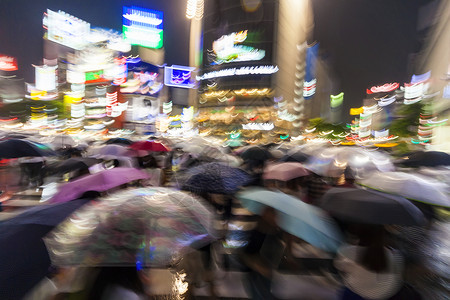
{"points": [[143, 227]]}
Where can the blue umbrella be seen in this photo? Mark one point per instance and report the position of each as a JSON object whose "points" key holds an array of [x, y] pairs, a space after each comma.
{"points": [[24, 257], [215, 178], [295, 217]]}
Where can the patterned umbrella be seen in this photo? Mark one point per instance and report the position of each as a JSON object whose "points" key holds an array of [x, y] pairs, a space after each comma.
{"points": [[215, 178], [142, 227]]}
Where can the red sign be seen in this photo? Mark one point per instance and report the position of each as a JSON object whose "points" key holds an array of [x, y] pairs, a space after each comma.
{"points": [[385, 88], [8, 63]]}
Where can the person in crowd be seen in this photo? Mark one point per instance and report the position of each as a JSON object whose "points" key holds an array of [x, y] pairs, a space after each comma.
{"points": [[32, 168], [150, 165], [369, 269], [261, 254], [315, 187], [348, 178]]}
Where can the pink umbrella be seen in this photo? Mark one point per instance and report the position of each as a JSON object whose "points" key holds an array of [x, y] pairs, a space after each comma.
{"points": [[285, 171], [100, 182], [150, 146]]}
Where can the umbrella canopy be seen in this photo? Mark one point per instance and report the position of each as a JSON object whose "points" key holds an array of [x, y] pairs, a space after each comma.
{"points": [[331, 162], [119, 141], [295, 217], [14, 148], [295, 156], [285, 171], [100, 182], [412, 186], [62, 141], [215, 178], [256, 153], [109, 150], [370, 207], [73, 164], [426, 159], [142, 227], [25, 260], [150, 146]]}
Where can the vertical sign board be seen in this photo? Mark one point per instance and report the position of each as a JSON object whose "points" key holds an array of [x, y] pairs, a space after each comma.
{"points": [[45, 78], [143, 27]]}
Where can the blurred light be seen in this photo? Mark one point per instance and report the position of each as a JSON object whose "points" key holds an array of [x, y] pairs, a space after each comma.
{"points": [[194, 9], [8, 63], [258, 126], [256, 70]]}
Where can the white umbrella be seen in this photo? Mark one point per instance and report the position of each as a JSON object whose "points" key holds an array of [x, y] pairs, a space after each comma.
{"points": [[412, 186], [61, 141], [331, 162]]}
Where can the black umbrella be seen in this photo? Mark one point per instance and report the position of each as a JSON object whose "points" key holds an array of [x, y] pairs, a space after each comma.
{"points": [[119, 141], [73, 164], [24, 257], [14, 148], [256, 153], [295, 157], [370, 207], [425, 159], [215, 178]]}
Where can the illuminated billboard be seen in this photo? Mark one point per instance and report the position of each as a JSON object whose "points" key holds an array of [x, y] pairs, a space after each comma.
{"points": [[231, 48], [179, 76], [143, 27], [8, 63], [66, 29]]}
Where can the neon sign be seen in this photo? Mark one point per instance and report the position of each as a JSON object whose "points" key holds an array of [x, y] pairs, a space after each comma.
{"points": [[179, 76], [255, 70], [143, 27], [8, 63], [226, 50], [385, 88]]}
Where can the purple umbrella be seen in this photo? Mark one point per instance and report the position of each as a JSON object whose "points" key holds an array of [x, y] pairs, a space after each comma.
{"points": [[100, 182]]}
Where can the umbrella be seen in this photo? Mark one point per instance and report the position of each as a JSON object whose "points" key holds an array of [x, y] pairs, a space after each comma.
{"points": [[412, 186], [25, 260], [296, 156], [295, 217], [149, 146], [255, 153], [142, 227], [331, 162], [14, 148], [425, 159], [215, 178], [370, 207], [119, 141], [100, 182], [110, 151], [285, 171], [63, 141], [73, 164]]}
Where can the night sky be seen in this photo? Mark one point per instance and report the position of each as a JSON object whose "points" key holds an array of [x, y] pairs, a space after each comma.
{"points": [[366, 42]]}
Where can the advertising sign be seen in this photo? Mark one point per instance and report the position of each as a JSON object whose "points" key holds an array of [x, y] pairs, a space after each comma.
{"points": [[66, 29], [179, 76], [143, 27]]}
